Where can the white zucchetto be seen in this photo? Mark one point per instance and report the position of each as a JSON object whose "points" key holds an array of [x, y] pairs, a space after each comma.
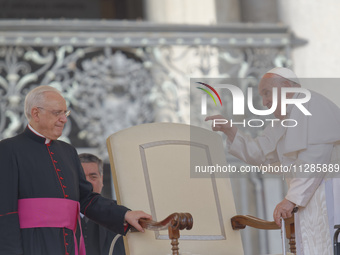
{"points": [[285, 73]]}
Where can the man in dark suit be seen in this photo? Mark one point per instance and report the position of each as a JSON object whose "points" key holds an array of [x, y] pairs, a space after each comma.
{"points": [[98, 240]]}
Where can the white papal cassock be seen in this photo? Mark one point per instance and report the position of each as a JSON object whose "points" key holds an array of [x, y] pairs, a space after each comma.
{"points": [[315, 140]]}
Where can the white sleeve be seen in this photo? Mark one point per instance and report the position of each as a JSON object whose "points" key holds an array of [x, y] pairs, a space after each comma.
{"points": [[302, 187], [250, 150]]}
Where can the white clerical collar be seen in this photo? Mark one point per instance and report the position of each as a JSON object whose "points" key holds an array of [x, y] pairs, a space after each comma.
{"points": [[37, 133]]}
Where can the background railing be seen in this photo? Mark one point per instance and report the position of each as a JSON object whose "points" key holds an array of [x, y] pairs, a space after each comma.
{"points": [[117, 74]]}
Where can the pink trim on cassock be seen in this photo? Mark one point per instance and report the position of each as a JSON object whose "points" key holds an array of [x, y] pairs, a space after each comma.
{"points": [[51, 213]]}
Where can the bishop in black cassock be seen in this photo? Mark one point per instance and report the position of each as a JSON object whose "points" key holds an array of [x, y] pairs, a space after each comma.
{"points": [[35, 166]]}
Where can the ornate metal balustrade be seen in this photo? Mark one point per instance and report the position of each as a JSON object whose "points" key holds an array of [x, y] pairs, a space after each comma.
{"points": [[116, 74]]}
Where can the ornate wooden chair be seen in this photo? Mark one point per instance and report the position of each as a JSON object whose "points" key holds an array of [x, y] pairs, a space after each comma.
{"points": [[153, 167], [241, 221]]}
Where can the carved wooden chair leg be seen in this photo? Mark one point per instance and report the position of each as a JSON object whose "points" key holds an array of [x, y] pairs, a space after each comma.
{"points": [[292, 245], [174, 236], [174, 222], [290, 234]]}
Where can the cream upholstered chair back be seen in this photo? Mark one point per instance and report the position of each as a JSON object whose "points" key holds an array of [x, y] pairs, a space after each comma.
{"points": [[151, 170]]}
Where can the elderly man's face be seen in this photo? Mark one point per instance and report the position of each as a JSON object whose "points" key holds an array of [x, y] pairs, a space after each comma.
{"points": [[49, 118], [267, 83], [93, 176]]}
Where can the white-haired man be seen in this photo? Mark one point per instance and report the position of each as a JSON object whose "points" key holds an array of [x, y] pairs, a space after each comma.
{"points": [[313, 141], [44, 188]]}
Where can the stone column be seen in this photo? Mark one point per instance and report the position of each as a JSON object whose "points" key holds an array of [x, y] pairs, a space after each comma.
{"points": [[264, 11], [180, 11], [227, 11], [173, 105]]}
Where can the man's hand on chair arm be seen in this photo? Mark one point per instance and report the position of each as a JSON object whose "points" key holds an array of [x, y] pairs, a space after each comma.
{"points": [[132, 217]]}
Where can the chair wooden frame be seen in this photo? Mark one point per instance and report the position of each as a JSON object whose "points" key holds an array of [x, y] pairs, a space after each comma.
{"points": [[152, 148], [174, 223], [241, 221]]}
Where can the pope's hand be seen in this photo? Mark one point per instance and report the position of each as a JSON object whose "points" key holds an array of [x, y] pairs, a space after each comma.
{"points": [[284, 209], [226, 128], [132, 217]]}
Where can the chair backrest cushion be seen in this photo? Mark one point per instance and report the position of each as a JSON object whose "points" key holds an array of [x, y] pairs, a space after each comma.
{"points": [[153, 167]]}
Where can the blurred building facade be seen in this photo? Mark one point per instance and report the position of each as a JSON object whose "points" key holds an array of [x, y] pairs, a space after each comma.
{"points": [[124, 63]]}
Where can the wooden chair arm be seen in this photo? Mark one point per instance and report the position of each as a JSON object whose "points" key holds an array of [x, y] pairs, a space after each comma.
{"points": [[174, 223], [241, 221], [178, 221]]}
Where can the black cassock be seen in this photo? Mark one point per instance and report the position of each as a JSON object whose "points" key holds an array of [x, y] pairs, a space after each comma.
{"points": [[32, 169]]}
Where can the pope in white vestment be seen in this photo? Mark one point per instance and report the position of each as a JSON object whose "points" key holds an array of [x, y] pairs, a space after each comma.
{"points": [[313, 142]]}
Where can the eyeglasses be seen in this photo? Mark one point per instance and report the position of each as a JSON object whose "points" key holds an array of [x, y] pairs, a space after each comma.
{"points": [[58, 113]]}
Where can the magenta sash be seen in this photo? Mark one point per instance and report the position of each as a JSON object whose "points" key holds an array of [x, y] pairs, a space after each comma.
{"points": [[51, 213]]}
